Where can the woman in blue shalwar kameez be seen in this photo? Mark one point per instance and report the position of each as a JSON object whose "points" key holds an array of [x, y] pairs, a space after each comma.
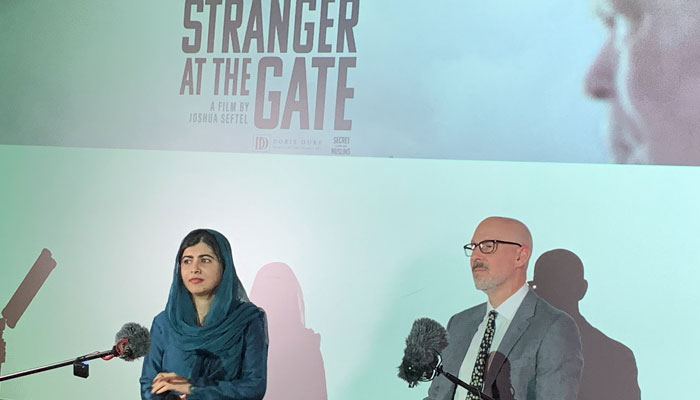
{"points": [[211, 341]]}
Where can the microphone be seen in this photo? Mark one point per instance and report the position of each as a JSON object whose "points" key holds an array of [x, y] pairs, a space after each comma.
{"points": [[422, 354], [132, 342], [421, 358]]}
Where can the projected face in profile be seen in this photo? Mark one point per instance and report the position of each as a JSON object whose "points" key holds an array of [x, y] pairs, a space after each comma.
{"points": [[648, 70], [200, 269]]}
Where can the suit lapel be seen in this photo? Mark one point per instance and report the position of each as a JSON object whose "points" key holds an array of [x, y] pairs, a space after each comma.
{"points": [[462, 337], [516, 329]]}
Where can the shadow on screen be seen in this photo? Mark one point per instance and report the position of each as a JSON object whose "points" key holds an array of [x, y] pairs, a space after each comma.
{"points": [[497, 382], [24, 295], [295, 367], [609, 370]]}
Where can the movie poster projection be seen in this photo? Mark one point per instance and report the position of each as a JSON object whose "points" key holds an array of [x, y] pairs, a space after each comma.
{"points": [[585, 82]]}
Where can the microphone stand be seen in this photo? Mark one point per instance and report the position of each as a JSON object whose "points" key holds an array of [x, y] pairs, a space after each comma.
{"points": [[440, 371], [80, 368]]}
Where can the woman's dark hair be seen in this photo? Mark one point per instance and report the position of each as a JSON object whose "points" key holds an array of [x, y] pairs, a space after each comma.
{"points": [[197, 236]]}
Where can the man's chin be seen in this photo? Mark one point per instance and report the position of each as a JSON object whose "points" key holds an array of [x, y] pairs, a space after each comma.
{"points": [[626, 144], [628, 155], [484, 286]]}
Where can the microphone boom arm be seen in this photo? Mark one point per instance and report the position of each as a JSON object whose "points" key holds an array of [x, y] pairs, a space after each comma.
{"points": [[440, 371], [79, 369]]}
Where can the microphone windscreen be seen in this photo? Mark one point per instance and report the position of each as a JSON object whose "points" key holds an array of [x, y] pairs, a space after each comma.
{"points": [[423, 345], [138, 341]]}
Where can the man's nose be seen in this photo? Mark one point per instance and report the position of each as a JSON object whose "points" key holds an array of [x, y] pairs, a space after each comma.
{"points": [[477, 255], [600, 78]]}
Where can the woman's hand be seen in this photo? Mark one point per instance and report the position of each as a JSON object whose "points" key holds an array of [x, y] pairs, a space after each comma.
{"points": [[166, 381]]}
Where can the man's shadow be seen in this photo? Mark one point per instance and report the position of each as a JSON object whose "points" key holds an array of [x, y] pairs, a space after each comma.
{"points": [[609, 367], [499, 387]]}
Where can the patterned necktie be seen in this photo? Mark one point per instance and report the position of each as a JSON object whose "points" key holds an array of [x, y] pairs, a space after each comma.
{"points": [[480, 365]]}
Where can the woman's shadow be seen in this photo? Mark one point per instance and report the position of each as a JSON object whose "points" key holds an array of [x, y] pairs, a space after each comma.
{"points": [[609, 370], [295, 367]]}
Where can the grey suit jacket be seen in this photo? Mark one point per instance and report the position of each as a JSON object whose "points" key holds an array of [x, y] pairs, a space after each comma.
{"points": [[539, 358]]}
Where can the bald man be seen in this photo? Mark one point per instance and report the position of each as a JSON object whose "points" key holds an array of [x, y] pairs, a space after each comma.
{"points": [[516, 345]]}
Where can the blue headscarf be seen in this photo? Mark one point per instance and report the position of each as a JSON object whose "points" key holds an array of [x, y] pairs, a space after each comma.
{"points": [[229, 313]]}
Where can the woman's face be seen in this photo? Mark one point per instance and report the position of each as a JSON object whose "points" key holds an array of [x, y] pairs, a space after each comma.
{"points": [[200, 270]]}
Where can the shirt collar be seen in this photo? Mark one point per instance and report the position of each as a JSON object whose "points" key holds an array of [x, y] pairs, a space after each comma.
{"points": [[508, 308]]}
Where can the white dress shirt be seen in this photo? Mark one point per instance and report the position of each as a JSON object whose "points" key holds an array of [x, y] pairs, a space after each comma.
{"points": [[506, 312]]}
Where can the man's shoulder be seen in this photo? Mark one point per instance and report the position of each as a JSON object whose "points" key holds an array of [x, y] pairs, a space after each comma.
{"points": [[550, 321], [476, 312], [542, 308]]}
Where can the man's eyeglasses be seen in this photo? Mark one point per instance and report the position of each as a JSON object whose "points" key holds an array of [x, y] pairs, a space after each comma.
{"points": [[486, 246]]}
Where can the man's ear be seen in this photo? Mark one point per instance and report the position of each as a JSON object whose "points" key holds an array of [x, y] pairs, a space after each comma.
{"points": [[523, 256]]}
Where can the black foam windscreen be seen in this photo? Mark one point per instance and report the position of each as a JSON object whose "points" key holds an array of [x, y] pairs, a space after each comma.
{"points": [[423, 345]]}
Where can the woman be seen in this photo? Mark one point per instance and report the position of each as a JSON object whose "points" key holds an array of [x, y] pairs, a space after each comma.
{"points": [[210, 342]]}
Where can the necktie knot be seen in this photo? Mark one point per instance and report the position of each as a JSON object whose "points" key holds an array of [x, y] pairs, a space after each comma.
{"points": [[492, 315]]}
